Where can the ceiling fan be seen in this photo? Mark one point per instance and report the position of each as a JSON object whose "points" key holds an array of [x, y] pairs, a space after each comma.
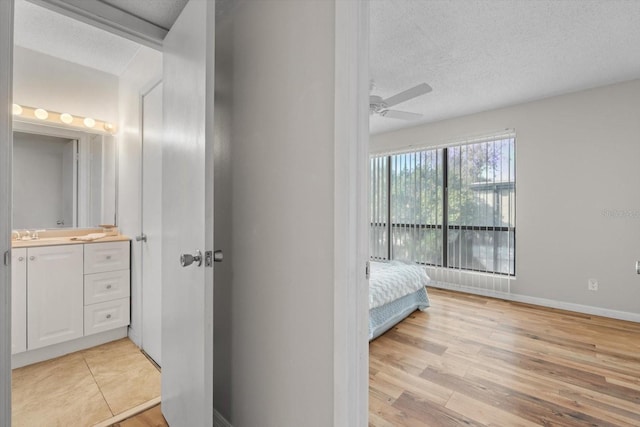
{"points": [[380, 106]]}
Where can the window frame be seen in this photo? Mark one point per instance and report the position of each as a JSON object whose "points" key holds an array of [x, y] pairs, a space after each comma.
{"points": [[446, 226]]}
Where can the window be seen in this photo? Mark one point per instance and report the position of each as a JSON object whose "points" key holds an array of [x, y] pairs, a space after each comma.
{"points": [[451, 207]]}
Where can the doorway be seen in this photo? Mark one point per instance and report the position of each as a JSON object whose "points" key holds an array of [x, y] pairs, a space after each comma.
{"points": [[79, 82], [347, 403]]}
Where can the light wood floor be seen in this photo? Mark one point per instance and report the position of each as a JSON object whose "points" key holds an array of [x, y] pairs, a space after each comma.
{"points": [[471, 360], [83, 388]]}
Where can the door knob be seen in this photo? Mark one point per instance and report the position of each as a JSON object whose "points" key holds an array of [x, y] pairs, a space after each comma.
{"points": [[188, 259], [141, 238]]}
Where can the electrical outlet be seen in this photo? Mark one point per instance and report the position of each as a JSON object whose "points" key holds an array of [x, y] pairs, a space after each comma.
{"points": [[592, 284]]}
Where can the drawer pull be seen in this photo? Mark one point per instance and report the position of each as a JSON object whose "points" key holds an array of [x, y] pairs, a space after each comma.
{"points": [[108, 256], [108, 316], [108, 286]]}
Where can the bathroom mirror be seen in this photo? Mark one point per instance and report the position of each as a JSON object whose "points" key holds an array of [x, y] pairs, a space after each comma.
{"points": [[62, 177]]}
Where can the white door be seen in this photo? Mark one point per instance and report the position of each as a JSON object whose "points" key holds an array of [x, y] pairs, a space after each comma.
{"points": [[152, 222], [187, 217]]}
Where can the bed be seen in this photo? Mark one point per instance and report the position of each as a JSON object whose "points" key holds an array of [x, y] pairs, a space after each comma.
{"points": [[396, 289]]}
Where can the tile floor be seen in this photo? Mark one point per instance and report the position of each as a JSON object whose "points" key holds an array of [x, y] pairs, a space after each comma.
{"points": [[84, 388], [150, 418]]}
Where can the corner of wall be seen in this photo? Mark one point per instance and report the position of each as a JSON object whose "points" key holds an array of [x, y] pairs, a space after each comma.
{"points": [[219, 420]]}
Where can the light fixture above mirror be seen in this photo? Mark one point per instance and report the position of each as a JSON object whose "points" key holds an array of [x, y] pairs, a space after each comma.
{"points": [[87, 124]]}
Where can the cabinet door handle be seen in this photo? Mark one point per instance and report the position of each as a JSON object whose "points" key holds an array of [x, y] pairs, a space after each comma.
{"points": [[20, 259], [108, 256], [108, 316], [108, 286], [32, 258]]}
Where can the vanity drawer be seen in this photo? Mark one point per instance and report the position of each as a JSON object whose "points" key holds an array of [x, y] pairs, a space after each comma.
{"points": [[106, 315], [101, 287], [102, 257]]}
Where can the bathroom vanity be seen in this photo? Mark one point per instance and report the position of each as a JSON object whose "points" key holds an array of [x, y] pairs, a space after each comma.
{"points": [[68, 295]]}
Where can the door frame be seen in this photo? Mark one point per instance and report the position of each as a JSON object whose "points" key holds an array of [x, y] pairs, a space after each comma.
{"points": [[6, 138], [350, 212], [351, 195], [139, 304]]}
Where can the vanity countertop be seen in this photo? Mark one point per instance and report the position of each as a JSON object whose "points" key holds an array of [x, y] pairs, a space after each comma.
{"points": [[56, 241]]}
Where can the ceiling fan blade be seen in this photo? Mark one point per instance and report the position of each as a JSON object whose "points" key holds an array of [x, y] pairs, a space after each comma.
{"points": [[402, 115], [415, 91]]}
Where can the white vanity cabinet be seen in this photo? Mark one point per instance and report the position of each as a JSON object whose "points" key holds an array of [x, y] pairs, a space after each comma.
{"points": [[68, 297], [105, 257], [106, 286], [18, 300], [54, 294]]}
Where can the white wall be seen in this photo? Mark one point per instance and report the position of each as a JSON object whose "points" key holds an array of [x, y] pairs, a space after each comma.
{"points": [[144, 71], [576, 160], [45, 81], [282, 201], [37, 180]]}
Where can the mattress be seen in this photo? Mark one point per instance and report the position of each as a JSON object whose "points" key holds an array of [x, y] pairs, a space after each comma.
{"points": [[383, 318], [392, 280], [396, 289]]}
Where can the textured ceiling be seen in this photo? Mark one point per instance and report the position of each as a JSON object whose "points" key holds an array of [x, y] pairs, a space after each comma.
{"points": [[476, 54], [484, 54], [48, 32], [162, 13]]}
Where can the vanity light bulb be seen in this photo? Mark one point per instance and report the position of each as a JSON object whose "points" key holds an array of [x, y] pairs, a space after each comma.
{"points": [[41, 114], [66, 118], [108, 127], [89, 122], [16, 109]]}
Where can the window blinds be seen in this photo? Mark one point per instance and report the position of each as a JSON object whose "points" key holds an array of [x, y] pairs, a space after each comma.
{"points": [[451, 208]]}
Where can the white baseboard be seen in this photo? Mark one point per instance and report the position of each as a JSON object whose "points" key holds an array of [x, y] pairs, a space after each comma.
{"points": [[134, 336], [219, 420], [56, 350], [544, 302]]}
